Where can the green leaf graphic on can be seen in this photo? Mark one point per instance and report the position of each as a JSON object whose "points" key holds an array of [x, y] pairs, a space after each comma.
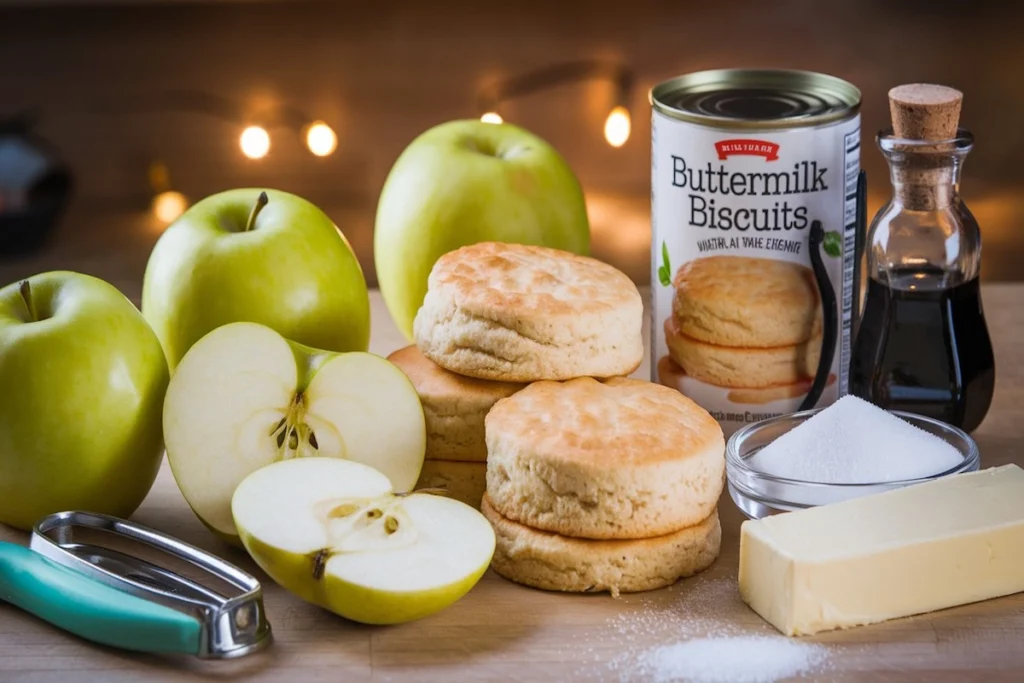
{"points": [[833, 244], [664, 270]]}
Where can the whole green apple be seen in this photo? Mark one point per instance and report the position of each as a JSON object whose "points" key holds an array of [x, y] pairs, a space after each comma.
{"points": [[464, 182], [82, 382], [250, 256]]}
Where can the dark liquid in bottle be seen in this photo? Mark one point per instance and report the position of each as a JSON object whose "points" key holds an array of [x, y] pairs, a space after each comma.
{"points": [[924, 349]]}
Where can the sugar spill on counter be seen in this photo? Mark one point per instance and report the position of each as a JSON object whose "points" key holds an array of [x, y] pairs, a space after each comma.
{"points": [[731, 659], [686, 638], [855, 442]]}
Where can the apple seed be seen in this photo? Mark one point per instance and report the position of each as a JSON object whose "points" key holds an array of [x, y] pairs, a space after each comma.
{"points": [[293, 440], [320, 563], [390, 525], [312, 441], [280, 439], [375, 513], [278, 426], [343, 510]]}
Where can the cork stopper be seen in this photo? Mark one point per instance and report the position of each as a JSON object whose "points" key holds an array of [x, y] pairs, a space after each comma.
{"points": [[922, 111]]}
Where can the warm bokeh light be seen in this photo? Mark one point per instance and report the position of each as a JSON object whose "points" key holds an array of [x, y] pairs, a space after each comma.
{"points": [[159, 176], [491, 117], [255, 142], [617, 127], [167, 206], [320, 139]]}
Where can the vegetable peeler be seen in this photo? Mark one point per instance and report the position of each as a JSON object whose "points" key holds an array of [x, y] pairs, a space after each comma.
{"points": [[114, 598]]}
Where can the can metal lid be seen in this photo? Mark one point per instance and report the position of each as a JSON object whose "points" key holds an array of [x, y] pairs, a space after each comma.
{"points": [[756, 98]]}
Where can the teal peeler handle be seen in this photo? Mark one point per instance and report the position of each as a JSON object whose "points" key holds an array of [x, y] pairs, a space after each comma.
{"points": [[90, 609]]}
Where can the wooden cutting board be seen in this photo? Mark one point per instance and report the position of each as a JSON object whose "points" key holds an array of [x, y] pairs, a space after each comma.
{"points": [[501, 631]]}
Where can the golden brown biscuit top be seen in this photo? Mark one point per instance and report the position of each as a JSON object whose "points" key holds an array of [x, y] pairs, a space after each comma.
{"points": [[536, 281], [741, 282], [435, 383], [619, 421]]}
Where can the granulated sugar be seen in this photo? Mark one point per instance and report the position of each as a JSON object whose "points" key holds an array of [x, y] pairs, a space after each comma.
{"points": [[737, 659], [663, 641], [855, 442]]}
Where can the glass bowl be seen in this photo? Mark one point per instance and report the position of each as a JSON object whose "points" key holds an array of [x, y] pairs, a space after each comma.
{"points": [[759, 494]]}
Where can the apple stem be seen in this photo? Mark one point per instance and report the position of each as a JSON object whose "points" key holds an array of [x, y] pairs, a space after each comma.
{"points": [[26, 295], [261, 201]]}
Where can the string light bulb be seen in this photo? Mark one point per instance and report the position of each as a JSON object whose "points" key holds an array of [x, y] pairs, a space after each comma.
{"points": [[492, 117], [617, 126], [168, 205], [321, 139], [254, 142]]}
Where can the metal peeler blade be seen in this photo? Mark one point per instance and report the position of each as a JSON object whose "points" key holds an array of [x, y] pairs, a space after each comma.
{"points": [[228, 626]]}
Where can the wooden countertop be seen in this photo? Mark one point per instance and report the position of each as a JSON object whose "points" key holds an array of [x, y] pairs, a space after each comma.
{"points": [[501, 631]]}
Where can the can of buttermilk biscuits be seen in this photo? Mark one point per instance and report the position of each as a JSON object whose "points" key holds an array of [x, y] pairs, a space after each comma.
{"points": [[754, 213]]}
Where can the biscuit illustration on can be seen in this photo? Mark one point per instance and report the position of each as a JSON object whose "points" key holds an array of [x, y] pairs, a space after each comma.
{"points": [[752, 325], [745, 322]]}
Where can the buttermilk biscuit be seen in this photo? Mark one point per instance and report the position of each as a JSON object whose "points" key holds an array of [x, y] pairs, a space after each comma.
{"points": [[731, 366], [464, 481], [545, 560], [782, 392], [521, 313], [748, 302], [453, 406], [671, 375], [615, 459]]}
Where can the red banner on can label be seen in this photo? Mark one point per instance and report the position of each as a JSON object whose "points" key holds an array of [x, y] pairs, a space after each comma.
{"points": [[757, 148]]}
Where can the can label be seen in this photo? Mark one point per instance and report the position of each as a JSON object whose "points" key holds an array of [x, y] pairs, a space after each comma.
{"points": [[737, 315]]}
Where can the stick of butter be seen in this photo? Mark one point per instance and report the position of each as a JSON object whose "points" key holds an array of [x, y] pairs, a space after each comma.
{"points": [[922, 548]]}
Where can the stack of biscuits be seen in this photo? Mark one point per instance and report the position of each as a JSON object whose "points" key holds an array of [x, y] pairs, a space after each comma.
{"points": [[602, 486], [454, 407], [593, 482], [750, 325]]}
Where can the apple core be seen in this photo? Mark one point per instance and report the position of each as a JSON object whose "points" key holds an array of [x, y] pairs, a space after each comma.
{"points": [[245, 397]]}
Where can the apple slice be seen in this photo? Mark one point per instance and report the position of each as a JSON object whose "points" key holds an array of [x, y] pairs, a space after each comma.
{"points": [[244, 397], [333, 533]]}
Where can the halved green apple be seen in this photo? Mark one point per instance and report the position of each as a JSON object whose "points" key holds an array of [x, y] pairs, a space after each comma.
{"points": [[333, 533], [244, 397]]}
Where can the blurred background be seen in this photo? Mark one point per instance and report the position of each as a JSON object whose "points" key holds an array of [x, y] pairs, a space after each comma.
{"points": [[141, 107]]}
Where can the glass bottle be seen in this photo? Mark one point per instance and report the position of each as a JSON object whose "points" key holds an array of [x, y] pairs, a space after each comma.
{"points": [[922, 345]]}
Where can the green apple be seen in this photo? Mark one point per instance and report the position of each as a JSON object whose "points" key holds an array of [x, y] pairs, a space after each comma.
{"points": [[264, 257], [464, 182], [333, 533], [244, 397], [82, 382]]}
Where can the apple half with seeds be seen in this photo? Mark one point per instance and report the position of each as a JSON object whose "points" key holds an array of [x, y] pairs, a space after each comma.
{"points": [[244, 397], [333, 533]]}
